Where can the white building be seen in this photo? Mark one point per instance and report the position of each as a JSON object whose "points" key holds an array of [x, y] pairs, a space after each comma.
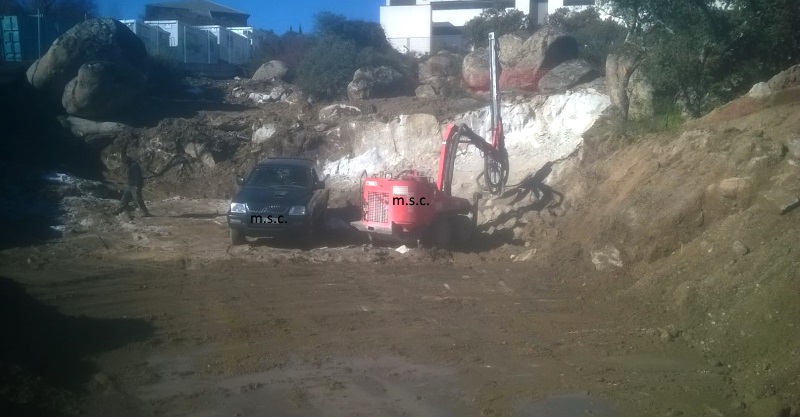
{"points": [[246, 31], [423, 26], [191, 45], [234, 48], [155, 39]]}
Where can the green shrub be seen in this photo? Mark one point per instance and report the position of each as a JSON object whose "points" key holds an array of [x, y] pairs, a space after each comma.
{"points": [[363, 34], [327, 68], [289, 48], [704, 55], [501, 22], [340, 47], [596, 37]]}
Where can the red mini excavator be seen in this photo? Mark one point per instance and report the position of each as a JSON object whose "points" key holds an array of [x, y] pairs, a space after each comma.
{"points": [[410, 207]]}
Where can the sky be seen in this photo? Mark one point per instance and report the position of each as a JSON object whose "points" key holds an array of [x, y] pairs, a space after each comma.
{"points": [[277, 15]]}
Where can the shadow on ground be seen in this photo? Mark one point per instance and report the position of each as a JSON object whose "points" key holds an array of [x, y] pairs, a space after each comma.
{"points": [[43, 353], [540, 197], [33, 144]]}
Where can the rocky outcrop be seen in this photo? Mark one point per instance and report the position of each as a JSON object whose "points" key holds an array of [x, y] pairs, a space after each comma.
{"points": [[759, 91], [98, 134], [640, 96], [439, 74], [793, 147], [523, 63], [271, 71], [102, 89], [630, 92], [619, 69], [785, 79], [380, 82], [332, 114], [512, 49], [544, 129], [475, 70], [124, 65], [279, 93], [409, 141], [566, 76], [425, 91], [263, 132]]}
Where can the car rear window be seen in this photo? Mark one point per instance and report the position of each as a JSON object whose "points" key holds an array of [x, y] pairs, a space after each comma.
{"points": [[271, 176]]}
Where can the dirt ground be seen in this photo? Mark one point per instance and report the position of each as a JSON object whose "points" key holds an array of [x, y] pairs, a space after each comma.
{"points": [[649, 276], [187, 326]]}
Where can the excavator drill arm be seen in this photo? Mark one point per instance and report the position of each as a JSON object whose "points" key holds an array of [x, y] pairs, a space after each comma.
{"points": [[495, 156]]}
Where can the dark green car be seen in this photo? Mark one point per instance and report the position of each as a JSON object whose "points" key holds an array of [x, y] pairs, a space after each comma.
{"points": [[281, 198]]}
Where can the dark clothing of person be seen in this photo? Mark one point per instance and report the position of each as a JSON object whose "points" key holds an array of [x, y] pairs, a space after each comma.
{"points": [[135, 175], [133, 192]]}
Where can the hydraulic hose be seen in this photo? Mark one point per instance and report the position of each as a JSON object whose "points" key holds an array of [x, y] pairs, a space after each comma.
{"points": [[495, 160], [495, 171]]}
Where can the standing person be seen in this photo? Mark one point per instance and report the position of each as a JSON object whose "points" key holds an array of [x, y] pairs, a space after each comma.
{"points": [[133, 190]]}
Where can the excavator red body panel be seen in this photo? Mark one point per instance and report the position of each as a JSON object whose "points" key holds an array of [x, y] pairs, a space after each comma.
{"points": [[402, 209]]}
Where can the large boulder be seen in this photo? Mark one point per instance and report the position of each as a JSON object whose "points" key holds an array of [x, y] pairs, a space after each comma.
{"points": [[622, 87], [789, 78], [547, 48], [785, 79], [567, 75], [361, 86], [99, 134], [439, 74], [523, 63], [444, 64], [93, 40], [102, 89], [335, 112], [475, 70], [759, 91], [380, 82], [271, 71], [640, 96], [511, 49], [425, 91]]}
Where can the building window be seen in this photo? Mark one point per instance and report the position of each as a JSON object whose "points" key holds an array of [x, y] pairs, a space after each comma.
{"points": [[446, 31]]}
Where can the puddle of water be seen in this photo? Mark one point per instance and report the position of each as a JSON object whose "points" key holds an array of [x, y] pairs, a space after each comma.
{"points": [[568, 405], [340, 387]]}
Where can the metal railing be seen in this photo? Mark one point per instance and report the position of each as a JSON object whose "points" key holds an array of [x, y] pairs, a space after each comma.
{"points": [[419, 45]]}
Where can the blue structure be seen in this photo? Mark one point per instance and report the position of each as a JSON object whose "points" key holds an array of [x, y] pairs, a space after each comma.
{"points": [[27, 37]]}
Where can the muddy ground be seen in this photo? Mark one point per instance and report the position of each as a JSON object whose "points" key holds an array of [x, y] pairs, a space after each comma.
{"points": [[183, 325], [648, 275]]}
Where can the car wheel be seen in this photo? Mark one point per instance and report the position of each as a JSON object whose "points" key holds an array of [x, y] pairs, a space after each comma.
{"points": [[322, 221], [237, 237]]}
